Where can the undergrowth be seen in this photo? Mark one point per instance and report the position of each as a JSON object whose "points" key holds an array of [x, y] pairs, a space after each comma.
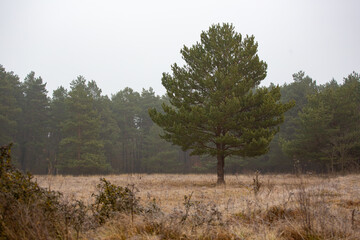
{"points": [[28, 211]]}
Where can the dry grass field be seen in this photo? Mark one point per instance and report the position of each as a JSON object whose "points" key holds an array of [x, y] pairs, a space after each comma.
{"points": [[193, 207]]}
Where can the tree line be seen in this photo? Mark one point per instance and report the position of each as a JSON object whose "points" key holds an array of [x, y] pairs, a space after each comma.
{"points": [[322, 132], [81, 131]]}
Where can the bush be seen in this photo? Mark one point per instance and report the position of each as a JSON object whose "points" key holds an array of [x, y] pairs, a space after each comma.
{"points": [[28, 211], [111, 199]]}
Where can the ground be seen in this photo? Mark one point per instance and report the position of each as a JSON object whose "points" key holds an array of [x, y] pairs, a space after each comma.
{"points": [[274, 207]]}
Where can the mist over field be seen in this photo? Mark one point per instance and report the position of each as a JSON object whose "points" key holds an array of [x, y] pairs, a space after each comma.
{"points": [[81, 131], [78, 79], [180, 120]]}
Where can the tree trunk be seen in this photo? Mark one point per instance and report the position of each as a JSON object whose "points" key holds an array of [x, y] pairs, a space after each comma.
{"points": [[220, 169]]}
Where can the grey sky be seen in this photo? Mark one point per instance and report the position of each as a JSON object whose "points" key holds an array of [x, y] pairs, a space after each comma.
{"points": [[130, 43]]}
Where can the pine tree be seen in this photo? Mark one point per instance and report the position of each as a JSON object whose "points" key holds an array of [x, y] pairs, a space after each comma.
{"points": [[125, 106], [109, 131], [276, 159], [159, 156], [10, 109], [328, 128], [82, 150], [58, 115], [34, 125], [216, 106]]}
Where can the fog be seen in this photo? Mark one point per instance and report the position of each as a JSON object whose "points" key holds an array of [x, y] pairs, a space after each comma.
{"points": [[131, 43]]}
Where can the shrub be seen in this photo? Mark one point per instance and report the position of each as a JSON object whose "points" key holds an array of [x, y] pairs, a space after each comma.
{"points": [[111, 199], [256, 183], [28, 211]]}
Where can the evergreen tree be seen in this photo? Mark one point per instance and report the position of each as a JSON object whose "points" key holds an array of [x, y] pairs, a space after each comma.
{"points": [[58, 115], [125, 105], [309, 145], [216, 107], [349, 149], [276, 159], [10, 109], [328, 128], [298, 91], [81, 149], [109, 131], [159, 156], [146, 138], [148, 100], [34, 125]]}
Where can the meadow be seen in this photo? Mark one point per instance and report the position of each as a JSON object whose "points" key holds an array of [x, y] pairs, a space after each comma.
{"points": [[251, 206]]}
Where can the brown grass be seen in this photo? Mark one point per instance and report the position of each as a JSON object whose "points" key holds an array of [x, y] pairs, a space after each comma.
{"points": [[286, 206]]}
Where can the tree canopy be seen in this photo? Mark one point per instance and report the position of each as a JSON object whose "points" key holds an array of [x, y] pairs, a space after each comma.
{"points": [[216, 107], [328, 128]]}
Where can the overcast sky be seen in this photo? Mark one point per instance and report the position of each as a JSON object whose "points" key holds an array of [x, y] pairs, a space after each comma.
{"points": [[131, 43]]}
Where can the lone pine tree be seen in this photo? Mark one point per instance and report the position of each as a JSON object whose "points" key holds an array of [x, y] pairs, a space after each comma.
{"points": [[216, 106]]}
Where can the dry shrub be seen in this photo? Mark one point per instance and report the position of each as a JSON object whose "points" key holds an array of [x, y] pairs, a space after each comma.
{"points": [[277, 213], [285, 208], [352, 204], [256, 185], [122, 227], [111, 199], [197, 213], [315, 219], [292, 232], [28, 211], [217, 233]]}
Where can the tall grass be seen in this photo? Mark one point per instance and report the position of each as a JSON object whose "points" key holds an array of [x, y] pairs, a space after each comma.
{"points": [[252, 206]]}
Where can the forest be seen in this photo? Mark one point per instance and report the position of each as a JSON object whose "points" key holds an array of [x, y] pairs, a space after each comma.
{"points": [[78, 130]]}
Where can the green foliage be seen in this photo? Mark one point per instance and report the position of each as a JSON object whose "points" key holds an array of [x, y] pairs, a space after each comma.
{"points": [[111, 199], [58, 115], [18, 186], [328, 128], [10, 108], [81, 148], [109, 131], [164, 162], [125, 106], [216, 106], [159, 156], [81, 131], [299, 90], [34, 125], [30, 212]]}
